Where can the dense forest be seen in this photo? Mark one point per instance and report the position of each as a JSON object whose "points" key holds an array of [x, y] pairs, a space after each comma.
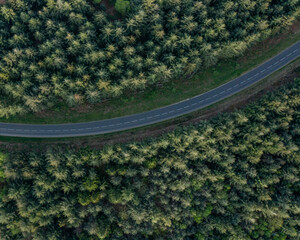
{"points": [[234, 177], [75, 51]]}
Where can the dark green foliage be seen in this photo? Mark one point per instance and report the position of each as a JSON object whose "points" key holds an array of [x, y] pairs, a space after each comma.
{"points": [[233, 177], [69, 51], [2, 159]]}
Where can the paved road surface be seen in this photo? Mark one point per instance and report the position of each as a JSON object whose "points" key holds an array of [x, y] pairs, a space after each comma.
{"points": [[158, 115]]}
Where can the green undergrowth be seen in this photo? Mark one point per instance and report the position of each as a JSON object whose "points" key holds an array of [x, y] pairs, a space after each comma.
{"points": [[233, 177], [170, 93]]}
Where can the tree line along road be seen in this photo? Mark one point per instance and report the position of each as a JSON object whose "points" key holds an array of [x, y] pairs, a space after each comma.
{"points": [[157, 115]]}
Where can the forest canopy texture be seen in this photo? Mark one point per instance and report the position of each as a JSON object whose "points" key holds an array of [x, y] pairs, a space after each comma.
{"points": [[233, 177], [73, 51]]}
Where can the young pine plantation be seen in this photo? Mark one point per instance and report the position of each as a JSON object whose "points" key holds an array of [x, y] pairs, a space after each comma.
{"points": [[236, 176], [80, 51]]}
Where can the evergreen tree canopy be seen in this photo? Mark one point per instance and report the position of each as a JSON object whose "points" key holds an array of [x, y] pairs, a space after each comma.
{"points": [[236, 176], [72, 51]]}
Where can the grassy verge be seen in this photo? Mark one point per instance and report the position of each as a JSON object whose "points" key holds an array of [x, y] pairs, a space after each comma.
{"points": [[171, 92], [239, 100]]}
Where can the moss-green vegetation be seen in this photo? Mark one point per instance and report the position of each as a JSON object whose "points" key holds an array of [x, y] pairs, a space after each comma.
{"points": [[233, 177], [69, 51], [122, 6]]}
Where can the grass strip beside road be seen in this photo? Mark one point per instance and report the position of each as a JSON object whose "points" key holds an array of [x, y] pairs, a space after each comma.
{"points": [[171, 92], [237, 101]]}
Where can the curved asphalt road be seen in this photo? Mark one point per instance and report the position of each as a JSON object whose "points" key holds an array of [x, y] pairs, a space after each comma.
{"points": [[158, 115]]}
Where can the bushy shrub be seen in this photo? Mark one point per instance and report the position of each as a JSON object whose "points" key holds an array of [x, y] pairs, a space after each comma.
{"points": [[122, 6]]}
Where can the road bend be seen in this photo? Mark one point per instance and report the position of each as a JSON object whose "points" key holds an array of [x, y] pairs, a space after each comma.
{"points": [[157, 115]]}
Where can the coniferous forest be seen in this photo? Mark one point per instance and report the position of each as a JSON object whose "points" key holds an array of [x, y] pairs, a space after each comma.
{"points": [[233, 177], [236, 176], [77, 52]]}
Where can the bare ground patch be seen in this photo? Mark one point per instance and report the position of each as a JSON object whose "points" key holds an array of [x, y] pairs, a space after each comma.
{"points": [[2, 2], [110, 9]]}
